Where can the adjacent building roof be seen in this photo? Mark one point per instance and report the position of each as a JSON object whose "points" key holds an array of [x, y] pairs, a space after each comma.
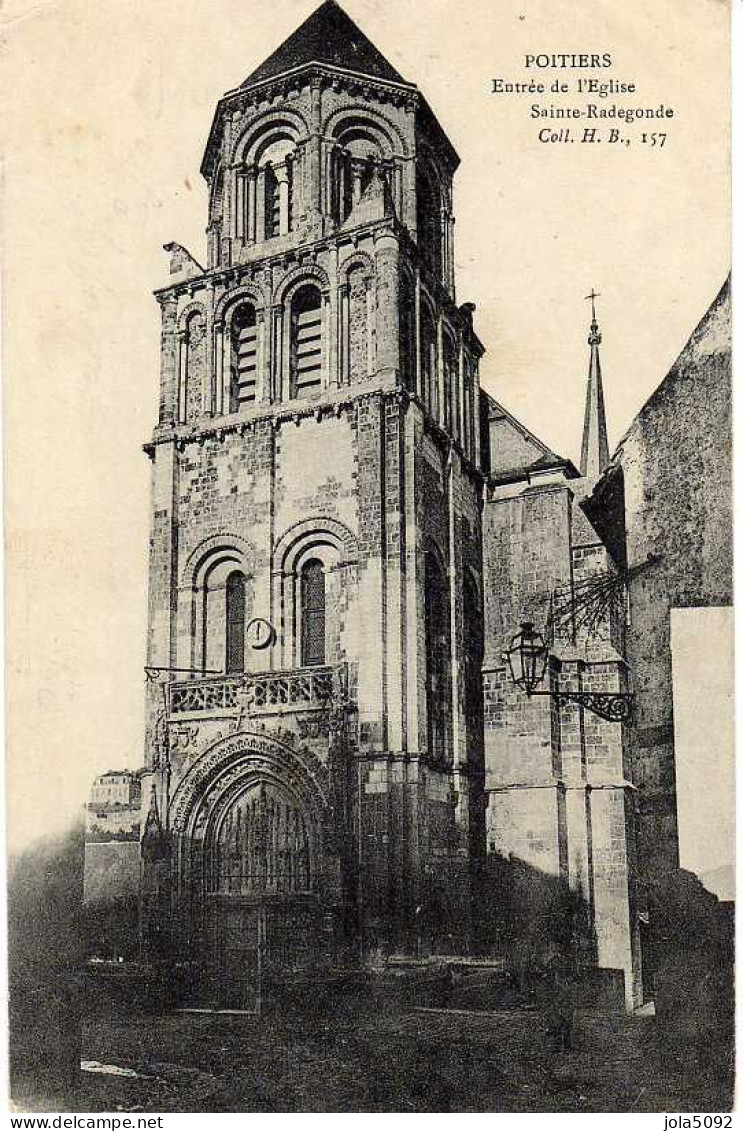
{"points": [[327, 36], [515, 452]]}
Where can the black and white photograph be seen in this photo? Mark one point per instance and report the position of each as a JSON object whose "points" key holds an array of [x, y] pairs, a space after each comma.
{"points": [[369, 557]]}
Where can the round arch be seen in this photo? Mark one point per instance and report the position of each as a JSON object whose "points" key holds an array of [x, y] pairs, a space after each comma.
{"points": [[246, 292], [188, 311], [312, 532], [386, 134], [264, 129], [213, 547], [296, 277], [224, 771], [358, 259]]}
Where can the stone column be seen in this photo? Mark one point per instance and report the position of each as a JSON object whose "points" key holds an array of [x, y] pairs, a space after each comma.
{"points": [[418, 354], [386, 253], [342, 174], [459, 732], [168, 361], [277, 354], [212, 244], [236, 191], [409, 197], [461, 393], [251, 201], [369, 297], [263, 390], [414, 586], [334, 372], [314, 178], [450, 235], [325, 376], [474, 409], [344, 345], [299, 163], [260, 206], [217, 400], [182, 374], [396, 188], [207, 378], [282, 178], [440, 376]]}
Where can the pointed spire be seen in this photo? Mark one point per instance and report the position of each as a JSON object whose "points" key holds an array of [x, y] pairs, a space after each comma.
{"points": [[328, 36], [594, 454]]}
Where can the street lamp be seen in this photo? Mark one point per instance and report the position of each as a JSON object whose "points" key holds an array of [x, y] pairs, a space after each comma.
{"points": [[528, 656]]}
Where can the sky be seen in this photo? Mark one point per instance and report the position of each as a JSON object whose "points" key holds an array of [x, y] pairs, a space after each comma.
{"points": [[105, 119]]}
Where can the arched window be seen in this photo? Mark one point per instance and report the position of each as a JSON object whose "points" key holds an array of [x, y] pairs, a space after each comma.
{"points": [[438, 661], [192, 366], [306, 341], [244, 361], [361, 157], [223, 592], [276, 187], [312, 611], [235, 621]]}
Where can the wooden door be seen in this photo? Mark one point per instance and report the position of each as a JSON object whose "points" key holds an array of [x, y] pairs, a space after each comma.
{"points": [[237, 937]]}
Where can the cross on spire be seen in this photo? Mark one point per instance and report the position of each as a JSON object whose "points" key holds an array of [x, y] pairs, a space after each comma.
{"points": [[593, 296]]}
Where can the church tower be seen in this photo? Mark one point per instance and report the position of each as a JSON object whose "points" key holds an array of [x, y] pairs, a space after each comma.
{"points": [[314, 710]]}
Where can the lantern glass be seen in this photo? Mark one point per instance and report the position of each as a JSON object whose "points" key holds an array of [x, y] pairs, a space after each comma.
{"points": [[527, 658]]}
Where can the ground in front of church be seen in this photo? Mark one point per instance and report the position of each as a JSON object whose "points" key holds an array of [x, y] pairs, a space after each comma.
{"points": [[373, 1056]]}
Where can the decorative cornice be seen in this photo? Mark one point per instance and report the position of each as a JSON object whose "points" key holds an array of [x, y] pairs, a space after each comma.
{"points": [[237, 273]]}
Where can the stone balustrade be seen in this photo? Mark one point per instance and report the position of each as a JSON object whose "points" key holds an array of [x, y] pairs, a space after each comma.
{"points": [[258, 692]]}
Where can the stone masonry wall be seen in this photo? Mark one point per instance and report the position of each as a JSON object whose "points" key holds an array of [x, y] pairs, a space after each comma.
{"points": [[676, 467], [555, 773]]}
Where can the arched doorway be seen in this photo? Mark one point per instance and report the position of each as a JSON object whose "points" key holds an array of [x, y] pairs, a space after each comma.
{"points": [[248, 817], [262, 906]]}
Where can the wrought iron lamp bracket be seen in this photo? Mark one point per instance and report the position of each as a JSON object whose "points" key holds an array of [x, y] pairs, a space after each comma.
{"points": [[613, 706]]}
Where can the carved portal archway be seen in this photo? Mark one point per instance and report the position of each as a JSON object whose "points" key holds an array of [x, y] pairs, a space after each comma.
{"points": [[250, 833], [248, 819]]}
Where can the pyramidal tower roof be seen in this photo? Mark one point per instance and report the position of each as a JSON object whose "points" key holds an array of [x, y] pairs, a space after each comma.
{"points": [[594, 454], [327, 36]]}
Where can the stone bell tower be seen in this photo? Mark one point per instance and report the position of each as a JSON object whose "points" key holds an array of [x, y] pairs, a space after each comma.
{"points": [[315, 603]]}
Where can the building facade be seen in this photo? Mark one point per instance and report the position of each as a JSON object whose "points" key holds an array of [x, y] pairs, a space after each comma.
{"points": [[346, 535], [112, 837]]}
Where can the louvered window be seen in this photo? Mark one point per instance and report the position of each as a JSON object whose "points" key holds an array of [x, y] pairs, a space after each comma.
{"points": [[244, 390], [235, 622], [307, 359], [312, 599]]}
